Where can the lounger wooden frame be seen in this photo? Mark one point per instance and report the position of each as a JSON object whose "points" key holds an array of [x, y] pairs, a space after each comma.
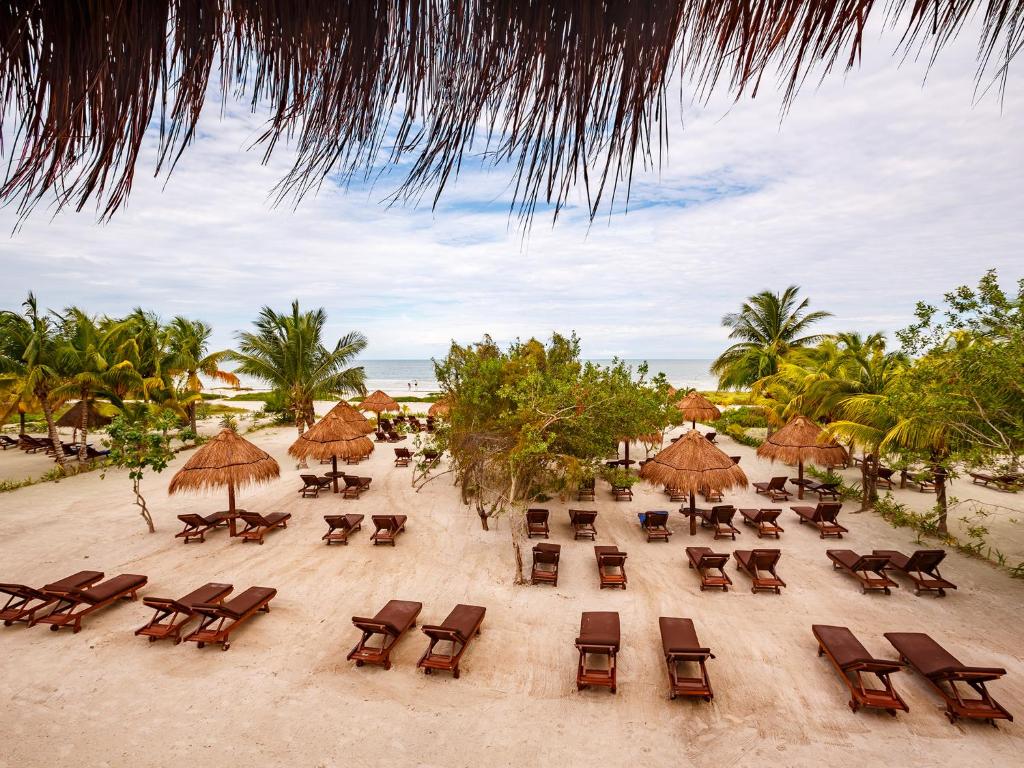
{"points": [[170, 617], [853, 673], [387, 528], [719, 519], [611, 567], [545, 564], [432, 659], [760, 560], [355, 486], [587, 675], [823, 516], [24, 602], [364, 653], [312, 485], [766, 521], [655, 524], [922, 568], [869, 570], [582, 522], [690, 652], [402, 457], [711, 567], [340, 527], [257, 526], [197, 526], [537, 523], [218, 622], [75, 605]]}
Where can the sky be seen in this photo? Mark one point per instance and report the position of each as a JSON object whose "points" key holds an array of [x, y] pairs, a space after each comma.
{"points": [[877, 189]]}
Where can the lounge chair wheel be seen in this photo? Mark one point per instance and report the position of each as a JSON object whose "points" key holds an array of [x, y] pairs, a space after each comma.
{"points": [[427, 671], [152, 639], [225, 646], [200, 645], [613, 689], [455, 674], [54, 627], [177, 641], [8, 623], [359, 664], [672, 697]]}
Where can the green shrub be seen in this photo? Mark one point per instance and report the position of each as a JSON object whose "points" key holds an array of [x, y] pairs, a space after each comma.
{"points": [[739, 434]]}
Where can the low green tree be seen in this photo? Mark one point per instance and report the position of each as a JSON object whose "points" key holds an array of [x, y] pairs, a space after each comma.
{"points": [[139, 440]]}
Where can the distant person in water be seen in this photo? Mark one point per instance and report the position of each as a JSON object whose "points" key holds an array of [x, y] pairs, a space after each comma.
{"points": [[408, 384]]}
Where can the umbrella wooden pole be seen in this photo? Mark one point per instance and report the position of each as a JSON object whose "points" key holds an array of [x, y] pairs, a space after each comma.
{"points": [[693, 424], [231, 509], [627, 454], [693, 515], [334, 472], [800, 477]]}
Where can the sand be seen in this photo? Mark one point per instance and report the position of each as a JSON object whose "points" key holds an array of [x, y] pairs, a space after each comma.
{"points": [[284, 693]]}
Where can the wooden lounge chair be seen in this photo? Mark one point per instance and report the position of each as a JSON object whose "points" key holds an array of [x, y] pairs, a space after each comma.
{"points": [[775, 489], [674, 494], [24, 602], [711, 567], [394, 437], [537, 523], [196, 526], [883, 477], [257, 526], [622, 493], [1004, 482], [852, 661], [760, 564], [458, 631], [340, 527], [312, 485], [31, 444], [545, 563], [711, 436], [611, 566], [869, 570], [710, 496], [598, 646], [825, 490], [6, 441], [586, 490], [655, 524], [681, 646], [380, 436], [171, 616], [824, 517], [925, 481], [765, 520], [720, 520], [922, 568], [582, 521], [388, 527], [944, 671], [391, 622], [402, 457], [220, 620], [355, 486], [91, 454], [75, 604]]}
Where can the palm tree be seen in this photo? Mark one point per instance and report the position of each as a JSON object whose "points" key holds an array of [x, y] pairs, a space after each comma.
{"points": [[29, 366], [287, 352], [768, 326], [188, 343]]}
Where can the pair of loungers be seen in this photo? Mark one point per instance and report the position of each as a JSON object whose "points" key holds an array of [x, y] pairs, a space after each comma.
{"points": [[873, 571], [218, 619], [952, 679], [341, 527], [758, 564], [599, 642], [255, 525], [611, 565], [448, 640], [67, 602]]}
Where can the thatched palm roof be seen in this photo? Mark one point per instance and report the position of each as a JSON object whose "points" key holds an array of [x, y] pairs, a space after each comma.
{"points": [[348, 414], [564, 91], [378, 402], [226, 460], [440, 409], [72, 417], [696, 407], [332, 438], [799, 441], [691, 463]]}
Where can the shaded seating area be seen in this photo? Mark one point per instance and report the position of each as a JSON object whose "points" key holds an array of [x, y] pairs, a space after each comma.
{"points": [[922, 567], [582, 522], [759, 565], [450, 639], [858, 669], [681, 647], [390, 623], [24, 602], [711, 567], [823, 516], [869, 570], [655, 524], [171, 616], [219, 620], [766, 521], [611, 566], [953, 680], [355, 486], [545, 563], [341, 527], [537, 523], [312, 485], [257, 526], [197, 526], [719, 520], [598, 647], [387, 528], [75, 604]]}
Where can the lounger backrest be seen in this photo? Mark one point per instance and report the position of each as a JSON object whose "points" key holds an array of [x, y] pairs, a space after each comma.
{"points": [[765, 558], [612, 559], [310, 479], [874, 563], [828, 510], [545, 556], [657, 519], [925, 560], [536, 515], [23, 591], [723, 514], [583, 516], [777, 484], [192, 519], [253, 518], [712, 560], [769, 515]]}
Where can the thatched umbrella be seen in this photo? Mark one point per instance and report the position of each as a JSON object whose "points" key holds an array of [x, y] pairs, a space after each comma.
{"points": [[691, 463], [348, 414], [440, 409], [332, 438], [695, 406], [72, 417], [378, 402], [228, 459], [799, 441]]}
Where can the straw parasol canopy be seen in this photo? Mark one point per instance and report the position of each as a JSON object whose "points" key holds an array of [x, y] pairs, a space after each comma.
{"points": [[440, 409], [696, 407], [72, 417], [799, 441], [378, 402], [691, 463], [348, 414], [226, 460], [332, 438]]}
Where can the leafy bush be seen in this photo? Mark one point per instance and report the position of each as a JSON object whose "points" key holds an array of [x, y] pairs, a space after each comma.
{"points": [[739, 434], [619, 477]]}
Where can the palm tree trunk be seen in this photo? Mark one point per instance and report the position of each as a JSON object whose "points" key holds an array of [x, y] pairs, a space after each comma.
{"points": [[51, 427], [941, 503], [83, 452], [192, 419], [300, 426]]}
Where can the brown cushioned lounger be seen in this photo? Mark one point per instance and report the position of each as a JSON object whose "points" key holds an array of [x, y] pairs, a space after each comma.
{"points": [[852, 661], [760, 564], [196, 526], [391, 622], [76, 604], [680, 644], [869, 570], [220, 620], [599, 638], [775, 489], [402, 457], [171, 616], [655, 524], [765, 520], [824, 517], [922, 568], [257, 526], [545, 563], [458, 630], [6, 441], [611, 566], [388, 527], [944, 671], [312, 485], [720, 520], [24, 602], [582, 521], [537, 523], [355, 486], [707, 563], [340, 527]]}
